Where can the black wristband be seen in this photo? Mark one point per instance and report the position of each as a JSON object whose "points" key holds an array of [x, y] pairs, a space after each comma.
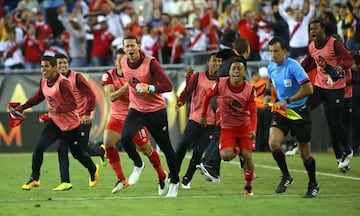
{"points": [[287, 100]]}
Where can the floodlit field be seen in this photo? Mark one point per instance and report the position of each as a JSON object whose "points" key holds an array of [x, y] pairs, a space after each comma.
{"points": [[340, 193]]}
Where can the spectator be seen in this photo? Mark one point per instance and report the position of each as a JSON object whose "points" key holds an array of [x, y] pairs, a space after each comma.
{"points": [[116, 27], [101, 50], [4, 28], [279, 25], [91, 21], [146, 7], [167, 39], [74, 25], [117, 43], [248, 29], [174, 34], [151, 41], [265, 35], [43, 29], [156, 18], [198, 41], [51, 14], [175, 8], [58, 46], [340, 14], [136, 21], [23, 19], [11, 55], [29, 5], [329, 19], [225, 19], [33, 49], [298, 28], [353, 43], [229, 37], [193, 9], [209, 21]]}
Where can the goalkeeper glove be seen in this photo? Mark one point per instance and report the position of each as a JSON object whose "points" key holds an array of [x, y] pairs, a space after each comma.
{"points": [[144, 88]]}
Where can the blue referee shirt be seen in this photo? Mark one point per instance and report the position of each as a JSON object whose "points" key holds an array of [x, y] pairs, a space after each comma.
{"points": [[287, 79]]}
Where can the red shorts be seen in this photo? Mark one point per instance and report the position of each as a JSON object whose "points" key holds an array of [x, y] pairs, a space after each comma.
{"points": [[231, 139], [141, 137]]}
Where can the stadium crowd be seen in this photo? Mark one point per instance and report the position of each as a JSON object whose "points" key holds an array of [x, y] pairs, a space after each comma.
{"points": [[90, 31]]}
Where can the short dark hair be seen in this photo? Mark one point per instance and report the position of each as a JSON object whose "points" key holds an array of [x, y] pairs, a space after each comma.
{"points": [[60, 56], [279, 40], [319, 21], [241, 45], [239, 59], [50, 59], [212, 54], [131, 37]]}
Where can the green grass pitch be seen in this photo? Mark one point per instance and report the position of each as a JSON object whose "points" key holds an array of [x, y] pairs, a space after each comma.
{"points": [[339, 193]]}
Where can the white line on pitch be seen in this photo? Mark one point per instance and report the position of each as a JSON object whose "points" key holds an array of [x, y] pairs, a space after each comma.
{"points": [[296, 170], [158, 197], [303, 171]]}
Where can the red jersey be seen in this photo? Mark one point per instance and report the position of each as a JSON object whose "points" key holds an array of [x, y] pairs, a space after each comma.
{"points": [[84, 96], [323, 57], [150, 102], [198, 91], [44, 31], [33, 49], [236, 105], [67, 120], [120, 107], [102, 43], [249, 32]]}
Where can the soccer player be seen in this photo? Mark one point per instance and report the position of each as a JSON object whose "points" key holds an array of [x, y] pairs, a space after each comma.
{"points": [[85, 100], [331, 59], [237, 110], [64, 122], [196, 135], [293, 87], [210, 165], [147, 81], [116, 88]]}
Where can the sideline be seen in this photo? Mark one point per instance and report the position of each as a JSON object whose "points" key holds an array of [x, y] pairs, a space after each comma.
{"points": [[164, 198], [303, 171]]}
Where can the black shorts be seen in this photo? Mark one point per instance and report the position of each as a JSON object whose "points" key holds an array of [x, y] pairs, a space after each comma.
{"points": [[301, 129]]}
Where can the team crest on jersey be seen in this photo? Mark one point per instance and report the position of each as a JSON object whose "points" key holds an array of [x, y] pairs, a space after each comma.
{"points": [[51, 101], [236, 104], [134, 81], [287, 83]]}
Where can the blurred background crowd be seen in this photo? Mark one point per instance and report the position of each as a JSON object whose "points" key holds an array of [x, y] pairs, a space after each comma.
{"points": [[90, 31]]}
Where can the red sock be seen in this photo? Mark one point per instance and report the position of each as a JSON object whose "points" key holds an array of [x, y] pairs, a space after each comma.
{"points": [[114, 161], [248, 176], [155, 161]]}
